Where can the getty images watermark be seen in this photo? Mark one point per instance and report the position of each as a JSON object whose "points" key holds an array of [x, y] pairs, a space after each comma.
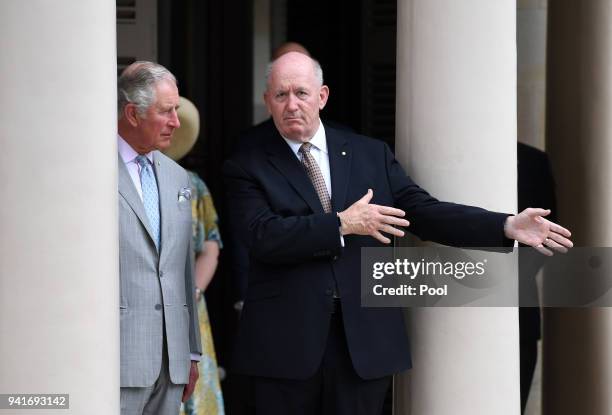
{"points": [[487, 277]]}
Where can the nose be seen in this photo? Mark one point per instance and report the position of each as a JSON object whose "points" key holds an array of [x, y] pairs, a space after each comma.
{"points": [[174, 120], [292, 103]]}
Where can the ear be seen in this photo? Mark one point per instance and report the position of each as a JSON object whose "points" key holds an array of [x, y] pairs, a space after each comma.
{"points": [[130, 113], [323, 95]]}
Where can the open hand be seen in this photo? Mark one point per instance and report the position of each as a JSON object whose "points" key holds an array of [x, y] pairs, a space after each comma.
{"points": [[531, 228], [365, 218]]}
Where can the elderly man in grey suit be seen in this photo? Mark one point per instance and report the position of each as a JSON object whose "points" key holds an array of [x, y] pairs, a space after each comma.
{"points": [[160, 343]]}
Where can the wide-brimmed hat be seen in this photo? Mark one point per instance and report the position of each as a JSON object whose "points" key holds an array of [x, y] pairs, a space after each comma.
{"points": [[186, 135]]}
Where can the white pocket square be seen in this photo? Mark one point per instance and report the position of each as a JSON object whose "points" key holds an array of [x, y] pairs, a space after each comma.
{"points": [[184, 194]]}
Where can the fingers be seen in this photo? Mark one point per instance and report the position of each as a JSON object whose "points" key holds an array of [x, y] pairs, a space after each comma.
{"points": [[386, 221], [380, 237], [364, 218], [387, 228], [392, 220], [549, 242], [559, 229], [559, 234], [391, 215], [557, 238], [392, 231], [560, 240], [541, 249], [388, 210], [367, 197]]}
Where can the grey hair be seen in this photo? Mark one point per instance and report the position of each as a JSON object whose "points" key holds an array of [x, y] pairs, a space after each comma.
{"points": [[318, 71], [136, 85]]}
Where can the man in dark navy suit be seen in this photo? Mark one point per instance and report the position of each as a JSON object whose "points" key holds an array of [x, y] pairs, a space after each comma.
{"points": [[252, 137], [307, 199]]}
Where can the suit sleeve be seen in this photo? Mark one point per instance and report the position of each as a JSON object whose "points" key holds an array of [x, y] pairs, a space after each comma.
{"points": [[442, 222], [271, 237], [195, 345]]}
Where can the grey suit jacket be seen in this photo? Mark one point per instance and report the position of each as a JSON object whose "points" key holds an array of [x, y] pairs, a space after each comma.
{"points": [[156, 288]]}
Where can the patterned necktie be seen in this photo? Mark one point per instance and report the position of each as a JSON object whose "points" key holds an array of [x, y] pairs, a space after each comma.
{"points": [[150, 196], [316, 177]]}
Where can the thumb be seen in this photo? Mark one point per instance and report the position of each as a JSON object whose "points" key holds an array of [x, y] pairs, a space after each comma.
{"points": [[539, 212], [367, 197]]}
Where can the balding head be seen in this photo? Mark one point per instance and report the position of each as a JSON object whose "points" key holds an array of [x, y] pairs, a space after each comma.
{"points": [[300, 59], [295, 95], [289, 47]]}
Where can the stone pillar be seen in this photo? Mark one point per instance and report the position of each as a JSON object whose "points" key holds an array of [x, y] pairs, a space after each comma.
{"points": [[577, 343], [456, 136], [59, 285]]}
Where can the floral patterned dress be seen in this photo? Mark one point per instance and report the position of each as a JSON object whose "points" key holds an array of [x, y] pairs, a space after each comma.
{"points": [[207, 398]]}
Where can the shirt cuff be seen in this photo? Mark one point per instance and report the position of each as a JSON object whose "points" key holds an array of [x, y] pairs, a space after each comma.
{"points": [[196, 357], [340, 230]]}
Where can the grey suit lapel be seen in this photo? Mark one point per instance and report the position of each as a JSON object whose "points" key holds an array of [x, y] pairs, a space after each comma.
{"points": [[130, 195], [167, 201]]}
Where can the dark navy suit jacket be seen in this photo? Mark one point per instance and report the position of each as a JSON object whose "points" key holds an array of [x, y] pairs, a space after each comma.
{"points": [[295, 253]]}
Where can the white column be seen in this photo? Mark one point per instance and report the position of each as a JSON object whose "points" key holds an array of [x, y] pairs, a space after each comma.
{"points": [[456, 136], [577, 343], [59, 324]]}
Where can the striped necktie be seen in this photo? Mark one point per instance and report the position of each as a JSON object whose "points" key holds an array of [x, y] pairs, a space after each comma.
{"points": [[315, 175]]}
